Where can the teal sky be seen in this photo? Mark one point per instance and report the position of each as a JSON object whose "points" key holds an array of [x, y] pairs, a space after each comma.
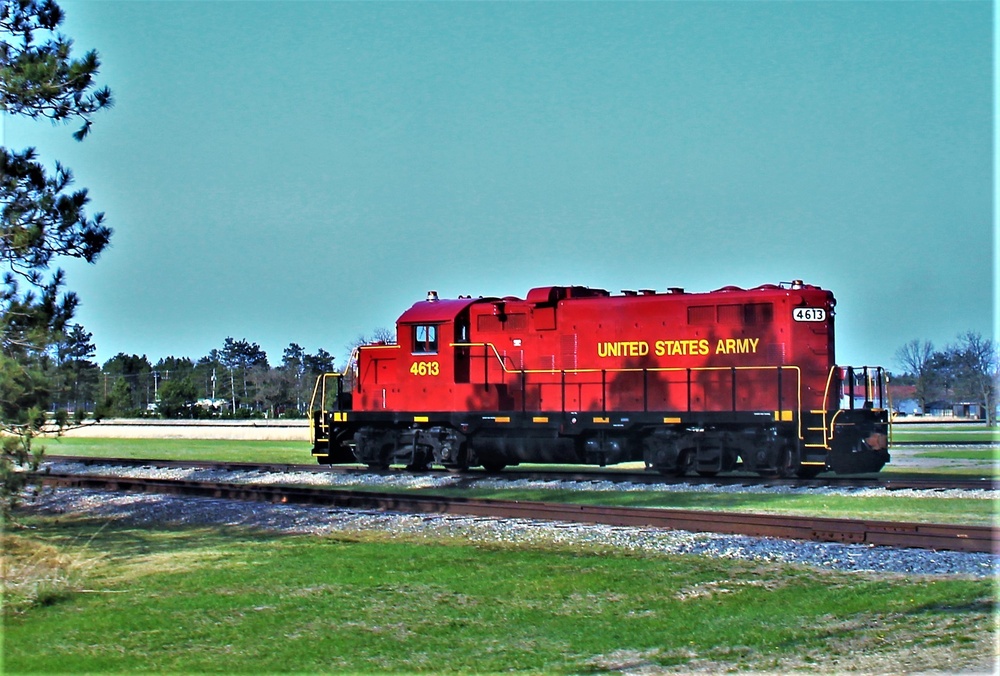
{"points": [[282, 171]]}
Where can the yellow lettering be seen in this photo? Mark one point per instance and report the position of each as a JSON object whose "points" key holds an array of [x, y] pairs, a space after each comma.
{"points": [[673, 348], [624, 348], [737, 346], [426, 368]]}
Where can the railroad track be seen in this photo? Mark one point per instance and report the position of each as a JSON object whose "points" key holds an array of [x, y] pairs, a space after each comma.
{"points": [[513, 474], [878, 533]]}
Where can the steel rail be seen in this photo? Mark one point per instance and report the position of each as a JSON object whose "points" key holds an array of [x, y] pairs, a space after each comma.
{"points": [[819, 529], [583, 475]]}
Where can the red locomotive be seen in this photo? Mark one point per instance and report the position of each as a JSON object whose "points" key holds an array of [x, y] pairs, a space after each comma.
{"points": [[706, 382]]}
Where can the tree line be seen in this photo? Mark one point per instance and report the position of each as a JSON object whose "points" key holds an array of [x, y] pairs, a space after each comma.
{"points": [[965, 371], [235, 380]]}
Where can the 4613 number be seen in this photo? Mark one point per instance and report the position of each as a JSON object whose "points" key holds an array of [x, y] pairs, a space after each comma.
{"points": [[426, 368], [809, 314]]}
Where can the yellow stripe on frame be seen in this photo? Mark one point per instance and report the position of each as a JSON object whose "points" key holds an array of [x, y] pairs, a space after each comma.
{"points": [[503, 419], [783, 416], [421, 418], [603, 421], [540, 419], [671, 421]]}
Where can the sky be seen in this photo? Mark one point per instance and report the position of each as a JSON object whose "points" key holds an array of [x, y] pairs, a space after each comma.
{"points": [[304, 171]]}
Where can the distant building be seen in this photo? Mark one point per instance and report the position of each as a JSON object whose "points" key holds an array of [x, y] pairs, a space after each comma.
{"points": [[904, 399], [212, 404], [940, 408], [969, 410]]}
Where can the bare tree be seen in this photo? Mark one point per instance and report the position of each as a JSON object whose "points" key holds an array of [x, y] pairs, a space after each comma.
{"points": [[916, 358], [379, 336], [978, 370]]}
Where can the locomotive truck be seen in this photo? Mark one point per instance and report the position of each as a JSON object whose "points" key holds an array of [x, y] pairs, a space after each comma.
{"points": [[732, 379]]}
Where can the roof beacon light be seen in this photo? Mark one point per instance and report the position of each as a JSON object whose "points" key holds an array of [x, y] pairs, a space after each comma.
{"points": [[432, 296]]}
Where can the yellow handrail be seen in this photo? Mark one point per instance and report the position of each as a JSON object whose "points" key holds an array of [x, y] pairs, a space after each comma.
{"points": [[655, 369]]}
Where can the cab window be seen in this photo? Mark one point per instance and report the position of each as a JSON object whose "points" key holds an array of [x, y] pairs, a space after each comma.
{"points": [[425, 339]]}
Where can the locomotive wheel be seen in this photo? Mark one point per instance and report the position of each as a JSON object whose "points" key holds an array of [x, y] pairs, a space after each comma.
{"points": [[494, 466], [685, 463], [708, 474], [459, 462], [378, 466], [787, 465]]}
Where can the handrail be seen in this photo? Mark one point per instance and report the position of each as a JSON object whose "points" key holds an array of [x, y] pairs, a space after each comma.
{"points": [[312, 407], [316, 388], [320, 389], [654, 369], [885, 396]]}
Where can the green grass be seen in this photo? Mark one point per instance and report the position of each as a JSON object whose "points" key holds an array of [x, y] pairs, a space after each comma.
{"points": [[211, 600], [963, 511], [963, 454], [963, 433], [221, 450]]}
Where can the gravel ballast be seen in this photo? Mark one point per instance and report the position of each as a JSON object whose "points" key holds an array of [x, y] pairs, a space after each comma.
{"points": [[408, 481]]}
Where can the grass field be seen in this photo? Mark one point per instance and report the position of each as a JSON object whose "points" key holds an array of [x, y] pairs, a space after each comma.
{"points": [[220, 450], [963, 454], [944, 433], [82, 597], [965, 511]]}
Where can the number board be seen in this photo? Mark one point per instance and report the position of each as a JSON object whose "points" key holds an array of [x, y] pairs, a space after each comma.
{"points": [[809, 314]]}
